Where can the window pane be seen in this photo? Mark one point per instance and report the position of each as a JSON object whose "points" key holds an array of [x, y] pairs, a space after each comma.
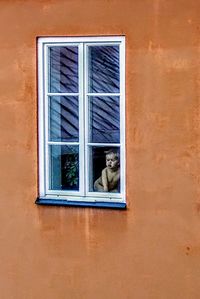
{"points": [[103, 68], [63, 119], [104, 169], [104, 121], [64, 167], [63, 69]]}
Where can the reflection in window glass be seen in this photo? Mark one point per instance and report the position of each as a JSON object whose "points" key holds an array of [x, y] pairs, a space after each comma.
{"points": [[103, 69], [104, 119], [63, 69], [63, 122], [64, 167], [105, 169]]}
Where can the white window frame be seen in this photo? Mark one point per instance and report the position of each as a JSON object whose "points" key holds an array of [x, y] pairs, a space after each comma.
{"points": [[83, 195]]}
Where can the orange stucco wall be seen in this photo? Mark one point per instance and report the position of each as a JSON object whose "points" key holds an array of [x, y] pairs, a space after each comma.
{"points": [[152, 250]]}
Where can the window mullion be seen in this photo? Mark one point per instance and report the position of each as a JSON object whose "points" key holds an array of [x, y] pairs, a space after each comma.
{"points": [[86, 173], [81, 120]]}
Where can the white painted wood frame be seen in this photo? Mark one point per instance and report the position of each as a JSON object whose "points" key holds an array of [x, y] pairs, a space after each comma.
{"points": [[43, 118]]}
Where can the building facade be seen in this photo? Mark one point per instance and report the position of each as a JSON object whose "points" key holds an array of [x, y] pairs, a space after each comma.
{"points": [[151, 249]]}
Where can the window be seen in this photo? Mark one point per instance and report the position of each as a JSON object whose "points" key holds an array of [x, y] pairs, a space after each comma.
{"points": [[82, 121]]}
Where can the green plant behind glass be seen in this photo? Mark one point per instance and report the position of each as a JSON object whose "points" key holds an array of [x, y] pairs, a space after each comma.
{"points": [[71, 169]]}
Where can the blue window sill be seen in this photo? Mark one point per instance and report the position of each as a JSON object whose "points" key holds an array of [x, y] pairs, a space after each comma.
{"points": [[61, 202]]}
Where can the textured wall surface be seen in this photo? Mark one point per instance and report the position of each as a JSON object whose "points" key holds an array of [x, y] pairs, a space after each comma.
{"points": [[152, 250]]}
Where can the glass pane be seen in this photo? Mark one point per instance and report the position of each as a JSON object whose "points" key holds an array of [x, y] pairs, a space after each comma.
{"points": [[103, 68], [63, 119], [104, 120], [104, 169], [63, 69], [64, 167]]}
